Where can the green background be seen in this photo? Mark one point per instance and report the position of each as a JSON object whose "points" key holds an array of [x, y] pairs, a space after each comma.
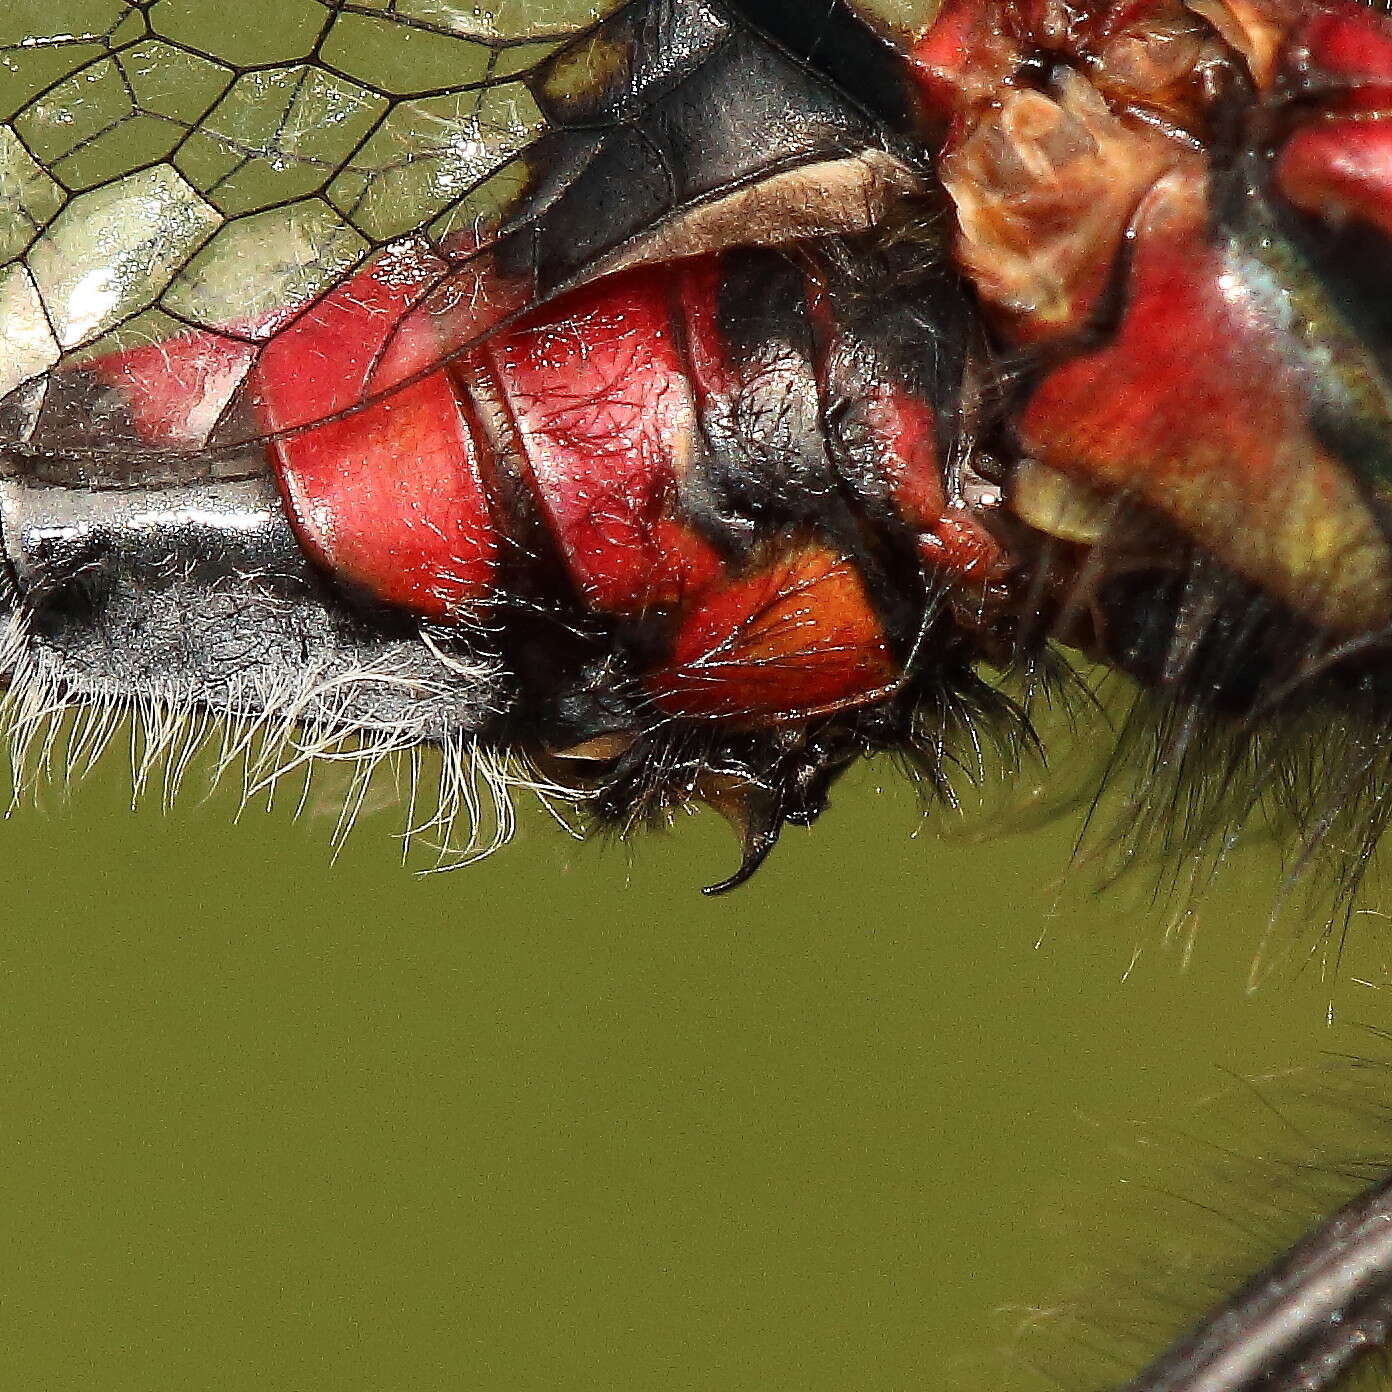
{"points": [[555, 1121]]}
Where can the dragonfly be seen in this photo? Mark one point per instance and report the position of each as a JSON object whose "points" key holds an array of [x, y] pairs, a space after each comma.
{"points": [[681, 401]]}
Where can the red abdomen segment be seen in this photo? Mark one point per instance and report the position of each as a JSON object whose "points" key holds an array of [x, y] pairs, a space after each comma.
{"points": [[389, 498], [638, 433]]}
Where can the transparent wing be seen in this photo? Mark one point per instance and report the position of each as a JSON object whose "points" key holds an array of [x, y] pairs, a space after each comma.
{"points": [[165, 178], [198, 199]]}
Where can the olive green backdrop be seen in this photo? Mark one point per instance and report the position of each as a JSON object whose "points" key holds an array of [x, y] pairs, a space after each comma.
{"points": [[555, 1121]]}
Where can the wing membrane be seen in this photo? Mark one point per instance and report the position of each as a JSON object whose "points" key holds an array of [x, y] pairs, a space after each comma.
{"points": [[178, 201]]}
